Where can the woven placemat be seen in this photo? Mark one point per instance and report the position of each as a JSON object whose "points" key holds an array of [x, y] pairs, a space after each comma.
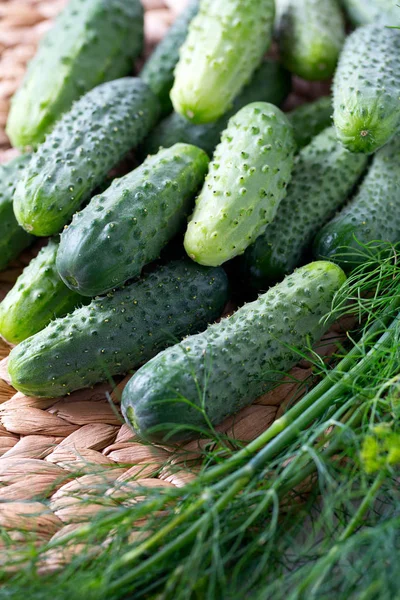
{"points": [[45, 443]]}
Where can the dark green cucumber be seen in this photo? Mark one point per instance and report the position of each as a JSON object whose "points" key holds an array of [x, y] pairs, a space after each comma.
{"points": [[38, 297], [219, 371], [270, 83], [310, 119], [324, 176], [13, 239], [92, 41], [361, 12], [158, 72], [84, 145], [119, 332], [126, 227], [310, 36], [226, 43], [366, 91], [372, 217], [246, 182]]}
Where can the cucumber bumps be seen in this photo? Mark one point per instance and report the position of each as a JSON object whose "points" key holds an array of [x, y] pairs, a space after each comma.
{"points": [[323, 178], [85, 144], [226, 43], [37, 297], [372, 218], [310, 35], [310, 119], [13, 239], [119, 332], [92, 41], [366, 89], [246, 182], [128, 225], [216, 373]]}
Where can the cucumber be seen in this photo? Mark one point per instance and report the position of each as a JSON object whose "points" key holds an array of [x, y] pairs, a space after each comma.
{"points": [[92, 41], [361, 12], [270, 83], [226, 42], [126, 227], [37, 297], [372, 217], [310, 119], [216, 373], [84, 145], [158, 72], [323, 178], [13, 239], [119, 332], [310, 36], [366, 92], [247, 180]]}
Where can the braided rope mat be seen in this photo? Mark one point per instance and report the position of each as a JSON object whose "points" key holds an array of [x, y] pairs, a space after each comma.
{"points": [[45, 443]]}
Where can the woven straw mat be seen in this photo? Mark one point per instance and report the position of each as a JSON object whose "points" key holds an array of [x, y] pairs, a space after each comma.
{"points": [[44, 442]]}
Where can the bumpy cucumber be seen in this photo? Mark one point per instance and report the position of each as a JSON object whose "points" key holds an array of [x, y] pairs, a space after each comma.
{"points": [[158, 72], [372, 216], [270, 83], [361, 12], [323, 178], [234, 361], [119, 332], [37, 297], [310, 35], [84, 145], [226, 43], [246, 182], [126, 227], [366, 94], [92, 41], [13, 239], [310, 119]]}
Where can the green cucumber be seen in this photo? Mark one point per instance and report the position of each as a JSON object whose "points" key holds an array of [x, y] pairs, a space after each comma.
{"points": [[324, 176], [366, 91], [117, 333], [310, 119], [372, 217], [216, 373], [158, 72], [361, 12], [92, 41], [270, 83], [310, 36], [37, 297], [126, 227], [84, 145], [247, 180], [226, 42], [13, 239]]}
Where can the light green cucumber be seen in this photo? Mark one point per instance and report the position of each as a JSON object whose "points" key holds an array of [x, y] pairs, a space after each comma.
{"points": [[38, 297], [13, 239], [214, 374], [158, 72], [310, 119], [119, 332], [323, 178], [270, 83], [310, 36], [92, 41], [126, 227], [366, 91], [247, 180], [361, 12], [85, 144], [226, 42], [371, 220]]}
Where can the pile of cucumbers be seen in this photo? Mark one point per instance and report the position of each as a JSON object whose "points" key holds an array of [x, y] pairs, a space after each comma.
{"points": [[133, 274]]}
